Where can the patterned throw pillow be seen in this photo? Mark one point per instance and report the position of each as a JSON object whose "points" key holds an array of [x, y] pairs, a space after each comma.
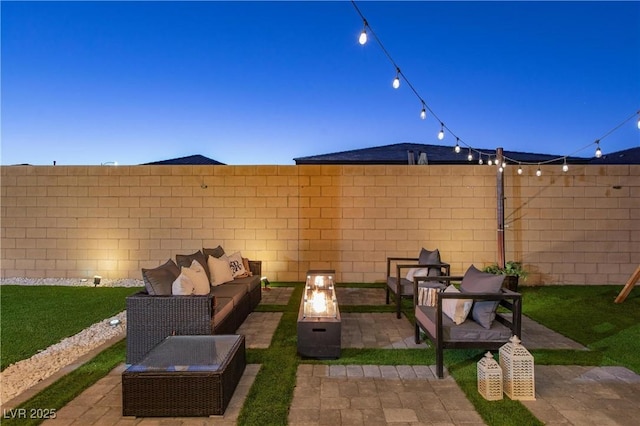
{"points": [[237, 265], [220, 270]]}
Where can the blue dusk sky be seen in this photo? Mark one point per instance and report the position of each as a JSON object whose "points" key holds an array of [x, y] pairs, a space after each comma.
{"points": [[85, 83]]}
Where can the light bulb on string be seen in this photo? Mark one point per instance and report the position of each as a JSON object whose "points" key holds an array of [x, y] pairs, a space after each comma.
{"points": [[441, 133], [457, 147], [598, 153], [470, 155], [638, 123], [423, 113], [565, 166], [501, 169], [489, 161], [480, 159], [538, 172], [519, 170], [363, 35], [396, 81]]}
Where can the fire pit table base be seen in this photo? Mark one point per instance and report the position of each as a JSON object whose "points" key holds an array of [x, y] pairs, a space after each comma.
{"points": [[184, 376]]}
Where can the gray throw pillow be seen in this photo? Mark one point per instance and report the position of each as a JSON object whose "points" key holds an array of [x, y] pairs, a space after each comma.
{"points": [[476, 281], [186, 259], [430, 258], [158, 281], [217, 252]]}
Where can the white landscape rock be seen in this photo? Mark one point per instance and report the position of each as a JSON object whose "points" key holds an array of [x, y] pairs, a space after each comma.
{"points": [[24, 374]]}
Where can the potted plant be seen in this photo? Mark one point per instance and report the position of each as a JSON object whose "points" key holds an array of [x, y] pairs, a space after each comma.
{"points": [[513, 271]]}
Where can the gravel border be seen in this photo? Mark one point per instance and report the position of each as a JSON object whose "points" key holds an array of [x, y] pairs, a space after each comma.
{"points": [[75, 282]]}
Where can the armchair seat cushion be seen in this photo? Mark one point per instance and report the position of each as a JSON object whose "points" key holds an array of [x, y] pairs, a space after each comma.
{"points": [[468, 331]]}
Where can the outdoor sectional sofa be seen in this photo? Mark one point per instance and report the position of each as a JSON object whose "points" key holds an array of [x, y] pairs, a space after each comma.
{"points": [[156, 313]]}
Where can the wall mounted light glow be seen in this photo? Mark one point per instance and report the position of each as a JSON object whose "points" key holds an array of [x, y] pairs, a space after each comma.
{"points": [[457, 147], [396, 81], [441, 133]]}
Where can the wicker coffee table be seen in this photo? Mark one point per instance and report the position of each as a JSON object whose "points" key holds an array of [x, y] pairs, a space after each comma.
{"points": [[184, 376]]}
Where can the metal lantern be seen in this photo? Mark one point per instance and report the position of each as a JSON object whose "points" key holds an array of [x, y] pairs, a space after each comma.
{"points": [[489, 378], [517, 370]]}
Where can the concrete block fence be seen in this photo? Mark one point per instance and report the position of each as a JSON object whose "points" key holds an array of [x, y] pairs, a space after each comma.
{"points": [[580, 227]]}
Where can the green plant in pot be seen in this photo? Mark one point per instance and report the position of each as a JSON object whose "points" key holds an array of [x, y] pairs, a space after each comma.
{"points": [[514, 271]]}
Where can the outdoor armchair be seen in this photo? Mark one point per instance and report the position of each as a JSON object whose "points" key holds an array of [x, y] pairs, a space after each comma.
{"points": [[401, 270], [477, 323]]}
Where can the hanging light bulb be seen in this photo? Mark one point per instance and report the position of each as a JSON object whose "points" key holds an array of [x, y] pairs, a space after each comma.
{"points": [[489, 162], [396, 81], [480, 159], [363, 35], [565, 166], [457, 147], [538, 172], [441, 133], [519, 170], [598, 150], [423, 113], [470, 155], [501, 169], [638, 123]]}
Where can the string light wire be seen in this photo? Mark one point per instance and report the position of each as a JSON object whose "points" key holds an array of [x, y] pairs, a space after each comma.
{"points": [[443, 126]]}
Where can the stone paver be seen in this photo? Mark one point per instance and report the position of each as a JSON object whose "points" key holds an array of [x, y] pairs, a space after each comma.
{"points": [[258, 328], [360, 296], [276, 295], [377, 330]]}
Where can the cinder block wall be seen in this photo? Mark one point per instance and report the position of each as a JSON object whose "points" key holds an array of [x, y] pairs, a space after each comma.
{"points": [[574, 228]]}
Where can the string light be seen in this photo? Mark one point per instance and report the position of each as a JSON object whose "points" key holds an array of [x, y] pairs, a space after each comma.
{"points": [[565, 166], [396, 81], [457, 147], [489, 162], [598, 153], [364, 35], [538, 172], [470, 155]]}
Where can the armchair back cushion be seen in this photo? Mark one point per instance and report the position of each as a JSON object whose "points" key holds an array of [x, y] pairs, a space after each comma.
{"points": [[158, 281], [215, 252], [476, 281]]}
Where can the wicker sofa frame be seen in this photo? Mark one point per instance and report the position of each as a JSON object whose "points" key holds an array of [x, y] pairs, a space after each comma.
{"points": [[151, 318], [437, 326]]}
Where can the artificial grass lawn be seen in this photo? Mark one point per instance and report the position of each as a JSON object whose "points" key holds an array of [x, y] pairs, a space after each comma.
{"points": [[36, 317], [584, 313]]}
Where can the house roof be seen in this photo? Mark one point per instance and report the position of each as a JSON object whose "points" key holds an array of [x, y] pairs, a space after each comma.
{"points": [[626, 156], [191, 160], [436, 154]]}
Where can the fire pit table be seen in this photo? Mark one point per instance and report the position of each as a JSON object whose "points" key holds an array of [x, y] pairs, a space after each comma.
{"points": [[184, 376], [319, 325]]}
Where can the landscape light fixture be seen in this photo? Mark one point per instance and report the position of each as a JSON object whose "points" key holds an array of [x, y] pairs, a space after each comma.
{"points": [[266, 283], [114, 322], [96, 280]]}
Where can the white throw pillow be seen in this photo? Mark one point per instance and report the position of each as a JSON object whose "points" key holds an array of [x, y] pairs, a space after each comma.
{"points": [[417, 272], [182, 286], [219, 270], [199, 278], [456, 309], [236, 265]]}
